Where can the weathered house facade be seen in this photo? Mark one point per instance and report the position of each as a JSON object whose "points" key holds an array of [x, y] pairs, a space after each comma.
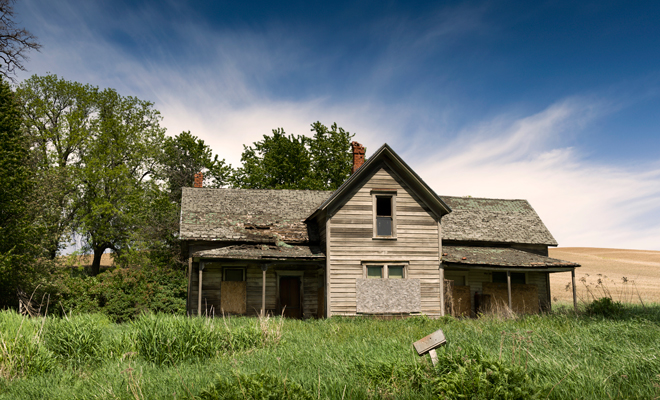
{"points": [[384, 243]]}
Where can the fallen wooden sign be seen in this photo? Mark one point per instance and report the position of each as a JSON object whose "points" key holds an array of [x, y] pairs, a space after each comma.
{"points": [[429, 343]]}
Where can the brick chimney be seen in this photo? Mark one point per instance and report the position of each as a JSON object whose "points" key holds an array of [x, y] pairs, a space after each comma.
{"points": [[199, 180], [358, 156]]}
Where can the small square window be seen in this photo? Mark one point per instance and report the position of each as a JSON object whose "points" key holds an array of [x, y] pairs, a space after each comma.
{"points": [[395, 271], [374, 272], [234, 275]]}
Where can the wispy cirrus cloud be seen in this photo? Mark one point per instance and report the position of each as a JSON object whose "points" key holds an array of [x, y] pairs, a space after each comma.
{"points": [[584, 203]]}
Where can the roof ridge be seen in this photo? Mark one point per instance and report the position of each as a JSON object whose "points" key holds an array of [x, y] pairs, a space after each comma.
{"points": [[482, 198]]}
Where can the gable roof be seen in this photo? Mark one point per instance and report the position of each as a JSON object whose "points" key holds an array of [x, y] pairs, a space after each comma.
{"points": [[494, 220], [251, 215], [389, 156]]}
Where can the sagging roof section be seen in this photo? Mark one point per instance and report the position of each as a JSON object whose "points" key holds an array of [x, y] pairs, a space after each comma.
{"points": [[386, 154], [264, 252], [500, 257], [248, 215], [494, 220]]}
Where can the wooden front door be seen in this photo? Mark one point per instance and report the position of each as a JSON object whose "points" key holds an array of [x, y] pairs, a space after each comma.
{"points": [[290, 296]]}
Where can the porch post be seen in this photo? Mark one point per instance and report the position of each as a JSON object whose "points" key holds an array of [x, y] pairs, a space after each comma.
{"points": [[442, 290], [264, 268], [508, 287], [199, 292], [574, 290], [189, 286]]}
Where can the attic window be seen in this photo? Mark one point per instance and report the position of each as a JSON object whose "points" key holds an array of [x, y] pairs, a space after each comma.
{"points": [[384, 214]]}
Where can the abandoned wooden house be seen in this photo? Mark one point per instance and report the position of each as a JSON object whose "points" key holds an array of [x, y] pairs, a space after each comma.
{"points": [[384, 243]]}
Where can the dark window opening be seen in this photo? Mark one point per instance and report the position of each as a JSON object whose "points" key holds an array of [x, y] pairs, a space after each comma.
{"points": [[234, 275], [516, 277], [384, 206], [383, 215]]}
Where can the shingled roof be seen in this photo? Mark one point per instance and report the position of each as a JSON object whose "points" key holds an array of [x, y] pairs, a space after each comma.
{"points": [[264, 252], [249, 215], [500, 257], [494, 220], [268, 216]]}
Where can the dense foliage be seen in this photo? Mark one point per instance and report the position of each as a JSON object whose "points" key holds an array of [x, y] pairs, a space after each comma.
{"points": [[555, 356], [322, 162], [83, 162]]}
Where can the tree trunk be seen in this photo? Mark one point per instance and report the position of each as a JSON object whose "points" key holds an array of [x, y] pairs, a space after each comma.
{"points": [[96, 263]]}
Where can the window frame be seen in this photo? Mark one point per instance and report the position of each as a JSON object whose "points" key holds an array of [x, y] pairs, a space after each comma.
{"points": [[386, 268], [391, 193]]}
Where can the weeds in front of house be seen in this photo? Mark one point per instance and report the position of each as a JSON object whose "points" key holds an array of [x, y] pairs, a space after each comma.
{"points": [[559, 355]]}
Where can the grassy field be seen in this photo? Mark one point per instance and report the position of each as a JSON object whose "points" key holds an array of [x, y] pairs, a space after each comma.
{"points": [[641, 269], [556, 356]]}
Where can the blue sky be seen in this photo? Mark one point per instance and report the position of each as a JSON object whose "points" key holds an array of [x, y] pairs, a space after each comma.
{"points": [[554, 102]]}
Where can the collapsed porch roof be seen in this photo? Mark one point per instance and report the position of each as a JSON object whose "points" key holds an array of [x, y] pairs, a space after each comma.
{"points": [[501, 257], [264, 252]]}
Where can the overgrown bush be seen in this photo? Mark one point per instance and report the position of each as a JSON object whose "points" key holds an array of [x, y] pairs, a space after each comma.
{"points": [[605, 306], [255, 386], [474, 377], [123, 294]]}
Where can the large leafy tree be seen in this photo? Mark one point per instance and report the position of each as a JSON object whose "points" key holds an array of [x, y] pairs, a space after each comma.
{"points": [[117, 165], [58, 116], [320, 162], [18, 243]]}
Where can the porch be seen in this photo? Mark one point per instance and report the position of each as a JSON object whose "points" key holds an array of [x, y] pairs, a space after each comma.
{"points": [[257, 279]]}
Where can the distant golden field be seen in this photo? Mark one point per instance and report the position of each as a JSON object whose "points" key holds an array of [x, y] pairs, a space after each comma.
{"points": [[640, 268]]}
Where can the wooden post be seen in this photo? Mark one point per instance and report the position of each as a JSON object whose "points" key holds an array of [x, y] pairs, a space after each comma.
{"points": [[442, 291], [508, 287], [574, 290], [189, 285], [264, 268], [199, 294]]}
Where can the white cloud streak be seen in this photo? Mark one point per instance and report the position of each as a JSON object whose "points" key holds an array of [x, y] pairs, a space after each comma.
{"points": [[583, 203]]}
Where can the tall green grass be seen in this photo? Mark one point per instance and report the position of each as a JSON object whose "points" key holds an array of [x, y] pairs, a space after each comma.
{"points": [[554, 356]]}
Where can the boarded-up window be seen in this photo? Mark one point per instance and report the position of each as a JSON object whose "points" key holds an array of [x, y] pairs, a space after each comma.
{"points": [[233, 291]]}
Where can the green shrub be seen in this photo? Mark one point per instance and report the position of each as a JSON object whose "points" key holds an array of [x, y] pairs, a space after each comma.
{"points": [[255, 386], [463, 377], [605, 307], [124, 293]]}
